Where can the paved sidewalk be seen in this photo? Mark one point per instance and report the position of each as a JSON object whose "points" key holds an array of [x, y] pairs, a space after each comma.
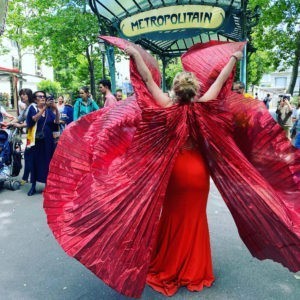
{"points": [[34, 267]]}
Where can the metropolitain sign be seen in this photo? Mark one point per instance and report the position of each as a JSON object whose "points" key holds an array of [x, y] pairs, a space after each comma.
{"points": [[173, 18]]}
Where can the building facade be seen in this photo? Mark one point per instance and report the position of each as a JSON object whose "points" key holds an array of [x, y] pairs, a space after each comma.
{"points": [[12, 78], [276, 84]]}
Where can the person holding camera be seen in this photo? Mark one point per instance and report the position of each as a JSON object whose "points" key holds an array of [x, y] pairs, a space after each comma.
{"points": [[41, 122], [284, 115]]}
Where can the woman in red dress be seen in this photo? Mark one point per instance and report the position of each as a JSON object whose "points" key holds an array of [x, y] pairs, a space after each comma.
{"points": [[182, 255], [127, 187]]}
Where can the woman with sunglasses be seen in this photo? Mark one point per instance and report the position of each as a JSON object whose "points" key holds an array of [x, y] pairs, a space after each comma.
{"points": [[41, 122]]}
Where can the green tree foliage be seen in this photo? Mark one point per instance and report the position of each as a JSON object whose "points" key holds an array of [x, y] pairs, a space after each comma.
{"points": [[3, 50], [50, 87], [67, 32], [277, 36], [174, 66], [17, 19], [63, 34]]}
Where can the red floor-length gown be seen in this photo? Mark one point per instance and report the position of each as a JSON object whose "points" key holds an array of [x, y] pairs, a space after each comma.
{"points": [[182, 256]]}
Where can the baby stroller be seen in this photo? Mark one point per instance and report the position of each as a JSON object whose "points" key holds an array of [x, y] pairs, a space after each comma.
{"points": [[10, 159]]}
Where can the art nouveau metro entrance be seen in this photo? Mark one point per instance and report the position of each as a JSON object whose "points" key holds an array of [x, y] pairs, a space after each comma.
{"points": [[168, 28]]}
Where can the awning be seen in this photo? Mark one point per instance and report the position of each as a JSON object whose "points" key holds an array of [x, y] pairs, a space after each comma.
{"points": [[7, 72], [167, 27]]}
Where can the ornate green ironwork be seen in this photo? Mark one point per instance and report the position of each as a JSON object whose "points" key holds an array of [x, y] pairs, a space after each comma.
{"points": [[168, 28]]}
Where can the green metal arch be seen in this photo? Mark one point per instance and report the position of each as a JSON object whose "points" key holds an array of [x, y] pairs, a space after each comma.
{"points": [[173, 43]]}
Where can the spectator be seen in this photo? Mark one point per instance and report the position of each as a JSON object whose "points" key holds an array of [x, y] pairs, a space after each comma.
{"points": [[4, 156], [296, 127], [84, 104], [41, 122], [284, 115], [267, 101], [239, 87], [67, 114], [56, 129], [105, 89], [27, 99], [66, 117], [60, 104], [127, 87], [21, 106], [119, 95]]}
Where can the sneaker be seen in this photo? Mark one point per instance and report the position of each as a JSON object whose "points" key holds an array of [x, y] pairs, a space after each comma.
{"points": [[22, 182]]}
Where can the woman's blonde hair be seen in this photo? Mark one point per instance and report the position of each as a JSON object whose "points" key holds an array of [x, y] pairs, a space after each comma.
{"points": [[185, 86]]}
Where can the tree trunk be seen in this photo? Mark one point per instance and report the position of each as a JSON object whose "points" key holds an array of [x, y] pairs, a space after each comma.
{"points": [[295, 67], [92, 73]]}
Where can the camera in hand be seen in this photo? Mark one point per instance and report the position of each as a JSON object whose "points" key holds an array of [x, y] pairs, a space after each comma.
{"points": [[50, 98]]}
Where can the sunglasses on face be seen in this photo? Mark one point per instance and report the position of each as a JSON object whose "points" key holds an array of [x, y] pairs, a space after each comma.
{"points": [[41, 97]]}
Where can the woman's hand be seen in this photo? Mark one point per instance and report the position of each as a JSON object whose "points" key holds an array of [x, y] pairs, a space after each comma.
{"points": [[11, 117], [238, 55], [17, 125], [131, 51]]}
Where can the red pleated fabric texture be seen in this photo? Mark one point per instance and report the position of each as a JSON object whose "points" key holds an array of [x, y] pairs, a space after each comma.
{"points": [[182, 255], [106, 187], [255, 168], [109, 175]]}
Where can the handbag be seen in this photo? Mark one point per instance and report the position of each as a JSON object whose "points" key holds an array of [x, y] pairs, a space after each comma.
{"points": [[39, 135]]}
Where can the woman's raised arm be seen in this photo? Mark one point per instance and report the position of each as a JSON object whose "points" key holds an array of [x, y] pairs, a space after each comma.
{"points": [[160, 97], [215, 88]]}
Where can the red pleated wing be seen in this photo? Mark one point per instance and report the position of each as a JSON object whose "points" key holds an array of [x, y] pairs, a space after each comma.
{"points": [[254, 166], [105, 188], [142, 94]]}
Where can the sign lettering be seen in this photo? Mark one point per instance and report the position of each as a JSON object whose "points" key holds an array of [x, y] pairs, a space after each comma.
{"points": [[173, 18]]}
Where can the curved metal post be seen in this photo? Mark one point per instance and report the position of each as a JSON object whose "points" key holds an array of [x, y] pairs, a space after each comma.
{"points": [[112, 68], [164, 64], [243, 65], [243, 68]]}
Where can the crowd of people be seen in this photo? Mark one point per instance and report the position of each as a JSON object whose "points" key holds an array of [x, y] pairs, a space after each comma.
{"points": [[40, 113], [44, 118]]}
